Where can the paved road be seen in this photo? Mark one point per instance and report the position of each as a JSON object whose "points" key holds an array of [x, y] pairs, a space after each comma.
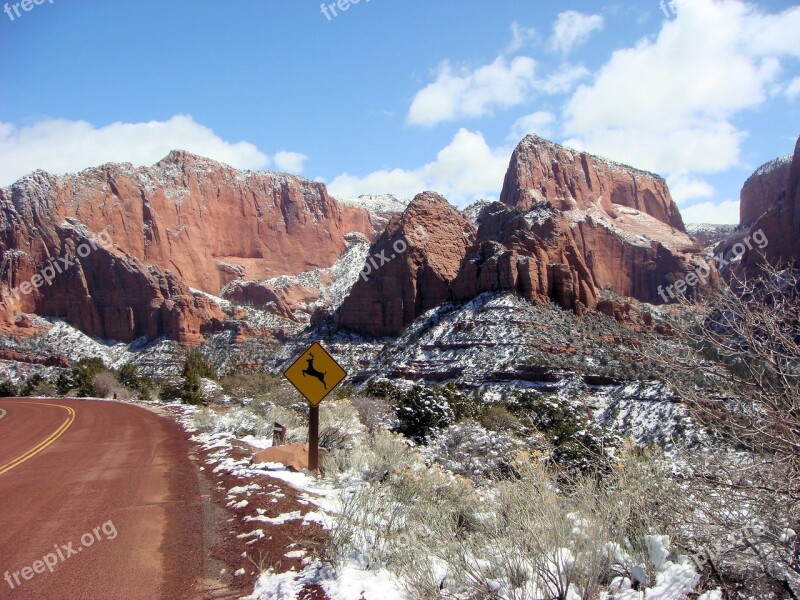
{"points": [[103, 493]]}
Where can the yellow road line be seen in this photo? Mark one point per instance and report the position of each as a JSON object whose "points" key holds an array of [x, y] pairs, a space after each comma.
{"points": [[45, 443]]}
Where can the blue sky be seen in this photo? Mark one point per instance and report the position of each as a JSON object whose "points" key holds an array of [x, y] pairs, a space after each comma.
{"points": [[397, 97]]}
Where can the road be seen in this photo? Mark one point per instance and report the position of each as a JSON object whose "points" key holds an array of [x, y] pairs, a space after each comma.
{"points": [[104, 495]]}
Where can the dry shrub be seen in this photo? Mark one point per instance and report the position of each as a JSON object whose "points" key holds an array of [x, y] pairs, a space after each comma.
{"points": [[373, 458], [733, 360], [527, 538], [105, 385], [375, 413], [497, 417], [339, 425], [390, 522], [256, 421]]}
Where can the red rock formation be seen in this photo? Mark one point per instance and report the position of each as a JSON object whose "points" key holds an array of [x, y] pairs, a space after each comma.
{"points": [[569, 225], [185, 222], [623, 221], [777, 226], [206, 222], [763, 189], [541, 170], [537, 258], [105, 292], [424, 248], [49, 360]]}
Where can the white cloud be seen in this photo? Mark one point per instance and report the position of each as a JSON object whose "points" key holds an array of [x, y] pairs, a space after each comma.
{"points": [[477, 93], [724, 213], [499, 85], [793, 89], [62, 146], [520, 37], [573, 29], [684, 187], [540, 123], [563, 80], [667, 103], [465, 170], [290, 162]]}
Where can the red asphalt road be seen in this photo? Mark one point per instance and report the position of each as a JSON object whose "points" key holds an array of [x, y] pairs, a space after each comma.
{"points": [[111, 462]]}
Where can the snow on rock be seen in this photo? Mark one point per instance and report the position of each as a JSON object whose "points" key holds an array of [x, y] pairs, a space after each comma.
{"points": [[386, 203]]}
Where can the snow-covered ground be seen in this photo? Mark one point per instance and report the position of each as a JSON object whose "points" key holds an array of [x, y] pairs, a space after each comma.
{"points": [[673, 577], [323, 495]]}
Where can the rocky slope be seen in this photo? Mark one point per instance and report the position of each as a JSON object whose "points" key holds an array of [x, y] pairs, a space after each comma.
{"points": [[185, 224], [710, 235], [568, 225]]}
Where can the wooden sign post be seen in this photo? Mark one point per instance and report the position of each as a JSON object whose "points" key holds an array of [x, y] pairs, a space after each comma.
{"points": [[314, 374], [313, 439]]}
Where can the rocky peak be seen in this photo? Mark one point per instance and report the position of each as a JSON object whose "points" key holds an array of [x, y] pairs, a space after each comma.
{"points": [[411, 267], [771, 197], [763, 189], [568, 225], [542, 170]]}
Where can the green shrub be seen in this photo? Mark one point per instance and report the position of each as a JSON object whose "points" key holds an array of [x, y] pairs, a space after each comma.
{"points": [[464, 406], [80, 378], [382, 389], [197, 365], [170, 391], [130, 376], [422, 410], [190, 390], [577, 442], [7, 389], [30, 384], [195, 368]]}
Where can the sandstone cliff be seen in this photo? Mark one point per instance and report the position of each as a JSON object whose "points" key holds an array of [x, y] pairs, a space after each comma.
{"points": [[417, 257], [187, 222], [763, 189], [770, 208], [541, 170]]}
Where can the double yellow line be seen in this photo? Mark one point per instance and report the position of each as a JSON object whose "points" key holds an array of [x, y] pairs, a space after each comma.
{"points": [[45, 443]]}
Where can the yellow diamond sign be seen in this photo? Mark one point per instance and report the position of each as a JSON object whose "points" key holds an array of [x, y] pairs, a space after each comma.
{"points": [[315, 374]]}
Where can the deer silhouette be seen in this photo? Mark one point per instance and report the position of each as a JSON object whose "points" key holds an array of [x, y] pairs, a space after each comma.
{"points": [[310, 370]]}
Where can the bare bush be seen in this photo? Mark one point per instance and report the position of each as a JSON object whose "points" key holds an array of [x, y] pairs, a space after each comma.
{"points": [[497, 417], [735, 361], [375, 413], [257, 422], [468, 449], [105, 385], [374, 458], [255, 388], [44, 389], [394, 522], [340, 426]]}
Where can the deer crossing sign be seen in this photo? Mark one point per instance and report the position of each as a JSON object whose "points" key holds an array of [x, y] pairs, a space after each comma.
{"points": [[315, 374]]}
